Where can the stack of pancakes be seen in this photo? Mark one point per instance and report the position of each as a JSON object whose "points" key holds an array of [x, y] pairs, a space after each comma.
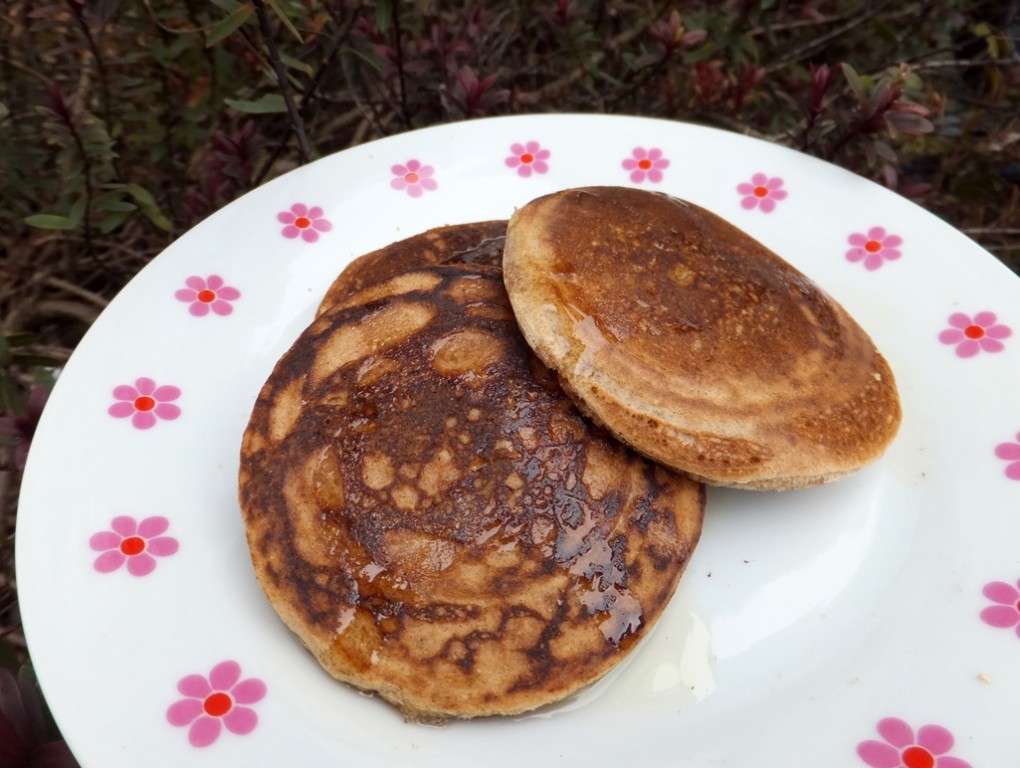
{"points": [[474, 481]]}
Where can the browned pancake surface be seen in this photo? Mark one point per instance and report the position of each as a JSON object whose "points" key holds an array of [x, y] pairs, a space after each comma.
{"points": [[434, 519], [478, 243], [693, 342]]}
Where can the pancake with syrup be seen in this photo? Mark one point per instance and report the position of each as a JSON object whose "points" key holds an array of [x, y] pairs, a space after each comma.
{"points": [[479, 243], [693, 342], [434, 519]]}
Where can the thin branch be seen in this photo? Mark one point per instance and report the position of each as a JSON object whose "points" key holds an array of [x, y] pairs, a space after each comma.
{"points": [[399, 49], [306, 97], [297, 122], [76, 290], [957, 64], [26, 69], [823, 40], [89, 191], [104, 82]]}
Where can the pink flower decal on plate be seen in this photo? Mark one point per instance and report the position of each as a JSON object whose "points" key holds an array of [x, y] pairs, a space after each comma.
{"points": [[145, 403], [528, 158], [136, 543], [762, 192], [1006, 613], [902, 748], [645, 164], [304, 222], [1010, 452], [414, 178], [203, 294], [975, 334], [874, 248], [219, 701]]}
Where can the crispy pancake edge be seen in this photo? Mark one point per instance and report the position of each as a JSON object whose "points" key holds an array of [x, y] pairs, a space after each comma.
{"points": [[477, 242]]}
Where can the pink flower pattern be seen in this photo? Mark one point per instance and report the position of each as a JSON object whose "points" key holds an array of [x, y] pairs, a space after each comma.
{"points": [[1006, 613], [874, 248], [975, 334], [136, 543], [145, 403], [414, 178], [762, 192], [902, 748], [1010, 452], [210, 293], [216, 702], [645, 164], [304, 222], [528, 158]]}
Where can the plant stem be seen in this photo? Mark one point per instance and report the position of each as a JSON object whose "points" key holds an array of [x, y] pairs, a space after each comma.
{"points": [[296, 121], [399, 49], [306, 97], [90, 248], [104, 83]]}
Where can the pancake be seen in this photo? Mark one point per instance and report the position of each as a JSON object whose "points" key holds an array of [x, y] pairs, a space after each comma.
{"points": [[695, 344], [479, 243], [434, 519]]}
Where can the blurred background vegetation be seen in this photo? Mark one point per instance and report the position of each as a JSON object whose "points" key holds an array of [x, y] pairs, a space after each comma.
{"points": [[125, 122]]}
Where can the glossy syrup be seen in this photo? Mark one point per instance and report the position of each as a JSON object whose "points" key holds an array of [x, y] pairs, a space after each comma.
{"points": [[672, 669]]}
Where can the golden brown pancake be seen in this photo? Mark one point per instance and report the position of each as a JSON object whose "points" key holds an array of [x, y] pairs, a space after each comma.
{"points": [[479, 243], [431, 515], [694, 343]]}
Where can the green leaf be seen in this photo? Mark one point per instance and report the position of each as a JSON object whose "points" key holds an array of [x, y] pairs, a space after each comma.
{"points": [[158, 218], [885, 31], [383, 14], [700, 54], [49, 221], [19, 340], [854, 81], [141, 194], [11, 398], [285, 19], [77, 212], [229, 25], [228, 6], [111, 222], [119, 206], [149, 206], [44, 376], [271, 102], [293, 63]]}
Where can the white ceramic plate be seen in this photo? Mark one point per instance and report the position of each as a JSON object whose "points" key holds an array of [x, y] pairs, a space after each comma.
{"points": [[867, 623]]}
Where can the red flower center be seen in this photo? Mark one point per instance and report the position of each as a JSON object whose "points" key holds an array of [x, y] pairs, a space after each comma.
{"points": [[527, 158], [132, 545], [412, 177], [144, 403], [644, 164], [761, 191], [974, 332], [917, 757], [207, 296], [217, 704], [302, 222], [873, 246]]}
